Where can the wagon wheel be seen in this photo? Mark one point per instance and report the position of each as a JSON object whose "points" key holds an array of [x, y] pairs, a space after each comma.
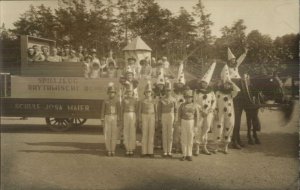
{"points": [[58, 124], [77, 121]]}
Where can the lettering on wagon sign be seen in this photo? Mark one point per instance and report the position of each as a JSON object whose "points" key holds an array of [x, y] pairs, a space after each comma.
{"points": [[58, 87], [53, 107]]}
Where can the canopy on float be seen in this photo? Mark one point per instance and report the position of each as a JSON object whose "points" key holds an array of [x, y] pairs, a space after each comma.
{"points": [[137, 49]]}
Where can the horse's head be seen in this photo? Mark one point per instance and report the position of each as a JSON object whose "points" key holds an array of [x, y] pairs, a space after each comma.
{"points": [[270, 88]]}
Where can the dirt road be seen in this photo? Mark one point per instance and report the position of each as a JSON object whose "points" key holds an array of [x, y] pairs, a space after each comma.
{"points": [[32, 157]]}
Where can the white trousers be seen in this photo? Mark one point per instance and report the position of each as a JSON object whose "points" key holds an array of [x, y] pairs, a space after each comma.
{"points": [[202, 129], [148, 129], [110, 132], [167, 120], [187, 135], [129, 131]]}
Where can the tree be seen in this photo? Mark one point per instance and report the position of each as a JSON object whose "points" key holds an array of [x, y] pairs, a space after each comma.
{"points": [[261, 50], [152, 23], [203, 23], [126, 10], [182, 33], [37, 21], [233, 37], [287, 47], [204, 35]]}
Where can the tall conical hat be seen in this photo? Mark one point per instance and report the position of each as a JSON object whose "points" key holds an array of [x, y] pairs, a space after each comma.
{"points": [[180, 76], [111, 87], [208, 75], [225, 74], [160, 78], [148, 87], [168, 85], [230, 54]]}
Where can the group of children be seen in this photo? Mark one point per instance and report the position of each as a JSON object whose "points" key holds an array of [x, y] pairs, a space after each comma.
{"points": [[183, 113]]}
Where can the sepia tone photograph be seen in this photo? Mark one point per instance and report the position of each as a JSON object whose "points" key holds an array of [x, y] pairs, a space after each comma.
{"points": [[149, 94]]}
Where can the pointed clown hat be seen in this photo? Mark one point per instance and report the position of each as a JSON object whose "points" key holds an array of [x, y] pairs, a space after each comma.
{"points": [[180, 76], [225, 74], [168, 85], [148, 87], [230, 54], [209, 73], [111, 87], [161, 77]]}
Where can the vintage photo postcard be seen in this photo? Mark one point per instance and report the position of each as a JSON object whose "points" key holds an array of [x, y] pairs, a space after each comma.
{"points": [[149, 94]]}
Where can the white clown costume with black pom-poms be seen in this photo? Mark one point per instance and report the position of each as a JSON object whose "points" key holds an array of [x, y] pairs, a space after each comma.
{"points": [[206, 101], [225, 109]]}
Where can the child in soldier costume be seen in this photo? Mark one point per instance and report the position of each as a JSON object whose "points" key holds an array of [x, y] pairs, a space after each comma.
{"points": [[167, 111], [188, 116], [206, 100], [179, 88], [158, 93], [129, 109], [147, 116], [110, 111], [225, 109]]}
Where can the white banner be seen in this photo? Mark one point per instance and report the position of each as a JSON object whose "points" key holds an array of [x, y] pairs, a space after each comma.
{"points": [[60, 87]]}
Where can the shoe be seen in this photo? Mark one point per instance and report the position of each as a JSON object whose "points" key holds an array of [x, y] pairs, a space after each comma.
{"points": [[112, 154], [151, 155], [215, 151], [144, 155], [235, 145], [182, 159], [241, 144], [205, 151], [197, 151], [257, 141], [127, 153], [250, 141], [131, 153], [170, 155], [108, 153], [165, 154], [225, 151], [189, 158]]}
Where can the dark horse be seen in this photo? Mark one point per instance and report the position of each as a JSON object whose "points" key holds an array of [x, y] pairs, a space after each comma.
{"points": [[254, 94]]}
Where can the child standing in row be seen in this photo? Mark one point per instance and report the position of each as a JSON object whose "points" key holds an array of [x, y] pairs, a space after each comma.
{"points": [[147, 116], [129, 109], [110, 111], [188, 116], [206, 101], [167, 110]]}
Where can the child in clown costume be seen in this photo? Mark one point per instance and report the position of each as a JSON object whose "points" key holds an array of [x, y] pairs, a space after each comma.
{"points": [[205, 98], [225, 110], [147, 116], [179, 88]]}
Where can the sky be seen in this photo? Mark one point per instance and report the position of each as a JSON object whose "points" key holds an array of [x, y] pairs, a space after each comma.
{"points": [[272, 17]]}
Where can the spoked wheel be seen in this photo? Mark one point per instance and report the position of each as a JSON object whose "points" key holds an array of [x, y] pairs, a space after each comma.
{"points": [[77, 122], [58, 124]]}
